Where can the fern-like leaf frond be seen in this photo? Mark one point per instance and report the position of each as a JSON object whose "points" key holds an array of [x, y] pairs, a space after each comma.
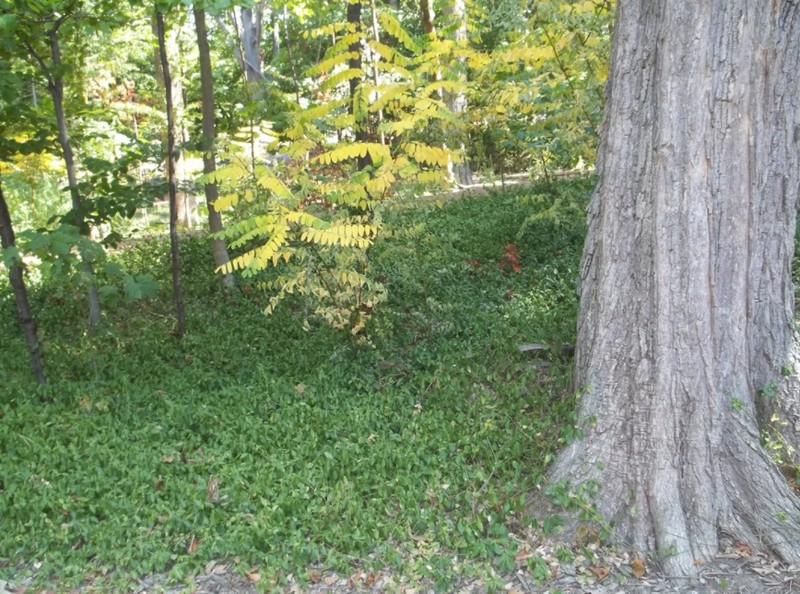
{"points": [[393, 27], [353, 151], [327, 65]]}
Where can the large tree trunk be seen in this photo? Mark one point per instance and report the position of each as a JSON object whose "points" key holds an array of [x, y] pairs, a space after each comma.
{"points": [[56, 87], [218, 247], [173, 198], [686, 297], [26, 320]]}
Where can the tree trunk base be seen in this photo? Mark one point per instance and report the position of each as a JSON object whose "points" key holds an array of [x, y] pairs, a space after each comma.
{"points": [[674, 517]]}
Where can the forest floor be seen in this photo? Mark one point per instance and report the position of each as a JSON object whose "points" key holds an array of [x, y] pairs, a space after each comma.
{"points": [[184, 449], [738, 570]]}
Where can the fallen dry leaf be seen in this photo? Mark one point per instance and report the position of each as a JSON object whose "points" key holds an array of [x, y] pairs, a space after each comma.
{"points": [[370, 579], [354, 579], [330, 580], [159, 483], [599, 572], [253, 575], [194, 544], [522, 554], [314, 576], [744, 550], [212, 489], [168, 459], [300, 388], [638, 568]]}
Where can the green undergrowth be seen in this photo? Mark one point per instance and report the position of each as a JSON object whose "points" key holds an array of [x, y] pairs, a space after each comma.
{"points": [[274, 447]]}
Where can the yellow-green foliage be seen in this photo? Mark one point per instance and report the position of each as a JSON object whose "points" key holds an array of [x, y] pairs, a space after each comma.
{"points": [[317, 216], [539, 98]]}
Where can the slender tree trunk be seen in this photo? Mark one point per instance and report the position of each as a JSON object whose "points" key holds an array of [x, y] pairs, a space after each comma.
{"points": [[187, 201], [376, 57], [426, 16], [218, 247], [289, 54], [360, 125], [276, 36], [248, 28], [686, 296], [183, 203], [26, 320], [173, 207], [56, 85], [233, 38], [460, 172], [252, 20]]}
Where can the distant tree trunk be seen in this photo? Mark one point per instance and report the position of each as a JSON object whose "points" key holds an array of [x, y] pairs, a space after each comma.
{"points": [[360, 125], [426, 16], [55, 83], [289, 54], [685, 287], [376, 57], [456, 12], [276, 36], [246, 41], [184, 202], [173, 207], [187, 202], [218, 247], [24, 316], [252, 25]]}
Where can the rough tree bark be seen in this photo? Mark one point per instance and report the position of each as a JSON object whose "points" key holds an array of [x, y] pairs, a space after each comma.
{"points": [[779, 407], [685, 288], [218, 247], [173, 207], [24, 315]]}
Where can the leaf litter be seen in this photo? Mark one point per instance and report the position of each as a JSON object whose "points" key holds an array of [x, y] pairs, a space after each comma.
{"points": [[571, 569]]}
